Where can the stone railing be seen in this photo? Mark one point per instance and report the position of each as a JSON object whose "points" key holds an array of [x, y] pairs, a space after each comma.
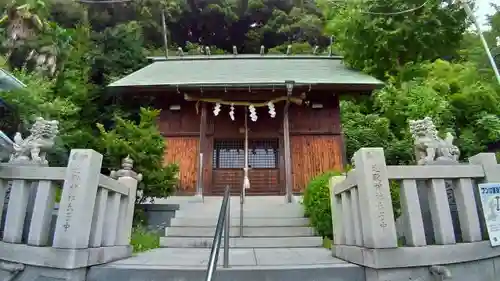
{"points": [[92, 224], [441, 220]]}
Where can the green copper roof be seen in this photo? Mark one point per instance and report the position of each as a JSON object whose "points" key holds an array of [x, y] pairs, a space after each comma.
{"points": [[245, 70]]}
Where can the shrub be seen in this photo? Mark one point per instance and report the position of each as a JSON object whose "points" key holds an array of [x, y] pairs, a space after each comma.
{"points": [[144, 240], [317, 203], [395, 187], [143, 142]]}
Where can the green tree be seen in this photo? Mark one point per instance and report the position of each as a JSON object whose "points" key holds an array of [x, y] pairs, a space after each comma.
{"points": [[119, 52], [377, 37], [472, 49], [453, 94], [146, 146]]}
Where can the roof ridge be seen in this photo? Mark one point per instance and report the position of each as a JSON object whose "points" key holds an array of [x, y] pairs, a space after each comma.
{"points": [[243, 57]]}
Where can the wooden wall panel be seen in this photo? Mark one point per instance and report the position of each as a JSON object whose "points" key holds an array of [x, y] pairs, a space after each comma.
{"points": [[178, 123], [305, 120], [262, 182], [313, 155], [184, 152], [222, 126]]}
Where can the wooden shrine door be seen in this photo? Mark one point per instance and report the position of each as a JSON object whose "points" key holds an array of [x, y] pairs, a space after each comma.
{"points": [[263, 159]]}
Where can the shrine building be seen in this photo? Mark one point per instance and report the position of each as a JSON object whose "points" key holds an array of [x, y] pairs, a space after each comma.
{"points": [[284, 109]]}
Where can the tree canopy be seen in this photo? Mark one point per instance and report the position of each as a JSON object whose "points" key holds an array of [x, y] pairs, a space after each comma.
{"points": [[67, 52]]}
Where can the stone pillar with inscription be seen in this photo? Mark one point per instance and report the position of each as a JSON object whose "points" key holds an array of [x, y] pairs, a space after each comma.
{"points": [[78, 197], [377, 217], [130, 179]]}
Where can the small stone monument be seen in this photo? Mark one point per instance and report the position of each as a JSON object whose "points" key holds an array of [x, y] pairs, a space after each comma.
{"points": [[430, 149]]}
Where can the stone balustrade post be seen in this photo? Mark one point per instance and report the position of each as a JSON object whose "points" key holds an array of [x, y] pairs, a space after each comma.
{"points": [[490, 166], [491, 174], [78, 198], [130, 179], [377, 217], [31, 200]]}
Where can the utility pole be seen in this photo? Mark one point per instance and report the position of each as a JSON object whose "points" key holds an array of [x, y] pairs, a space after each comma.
{"points": [[497, 56], [469, 12], [165, 34]]}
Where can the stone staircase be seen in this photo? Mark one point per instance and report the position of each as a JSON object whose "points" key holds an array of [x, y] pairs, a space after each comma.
{"points": [[268, 222], [277, 245]]}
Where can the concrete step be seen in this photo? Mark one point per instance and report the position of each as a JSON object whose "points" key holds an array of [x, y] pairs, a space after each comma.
{"points": [[245, 242], [247, 222], [293, 231], [263, 212], [174, 264], [235, 200], [320, 272]]}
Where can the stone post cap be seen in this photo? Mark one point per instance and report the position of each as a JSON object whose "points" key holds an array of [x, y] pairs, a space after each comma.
{"points": [[126, 170]]}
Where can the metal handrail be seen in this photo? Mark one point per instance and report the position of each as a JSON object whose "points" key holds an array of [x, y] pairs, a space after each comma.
{"points": [[223, 223]]}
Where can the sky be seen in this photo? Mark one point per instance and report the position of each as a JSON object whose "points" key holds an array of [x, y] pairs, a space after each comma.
{"points": [[483, 9]]}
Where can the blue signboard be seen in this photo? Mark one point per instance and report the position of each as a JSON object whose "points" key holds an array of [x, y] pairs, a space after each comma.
{"points": [[490, 200]]}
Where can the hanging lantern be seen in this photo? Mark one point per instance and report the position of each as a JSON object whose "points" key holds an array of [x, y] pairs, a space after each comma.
{"points": [[272, 110], [231, 112], [216, 109], [253, 113]]}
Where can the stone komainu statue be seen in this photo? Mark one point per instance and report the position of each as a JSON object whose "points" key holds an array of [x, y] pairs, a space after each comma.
{"points": [[33, 149], [429, 147]]}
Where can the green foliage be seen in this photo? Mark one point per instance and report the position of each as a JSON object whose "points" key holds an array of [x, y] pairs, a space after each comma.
{"points": [[120, 51], [297, 49], [317, 203], [394, 188], [146, 146], [75, 97], [454, 95], [472, 49], [374, 38], [327, 243], [100, 43], [144, 240]]}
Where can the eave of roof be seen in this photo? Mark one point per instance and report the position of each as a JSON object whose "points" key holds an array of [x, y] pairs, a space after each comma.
{"points": [[237, 71], [9, 82]]}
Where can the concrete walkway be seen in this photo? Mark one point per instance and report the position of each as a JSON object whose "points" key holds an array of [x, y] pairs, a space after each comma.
{"points": [[251, 264], [279, 245], [191, 257]]}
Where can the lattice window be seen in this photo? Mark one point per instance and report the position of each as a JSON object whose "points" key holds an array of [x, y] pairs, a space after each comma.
{"points": [[263, 154], [229, 154]]}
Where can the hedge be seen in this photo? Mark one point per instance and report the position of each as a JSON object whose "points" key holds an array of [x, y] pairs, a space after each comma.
{"points": [[317, 203]]}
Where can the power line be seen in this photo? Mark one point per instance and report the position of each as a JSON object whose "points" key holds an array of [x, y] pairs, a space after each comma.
{"points": [[397, 13], [102, 1], [388, 14]]}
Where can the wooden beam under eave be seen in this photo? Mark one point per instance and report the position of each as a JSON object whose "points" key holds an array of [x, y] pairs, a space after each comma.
{"points": [[288, 158], [201, 150]]}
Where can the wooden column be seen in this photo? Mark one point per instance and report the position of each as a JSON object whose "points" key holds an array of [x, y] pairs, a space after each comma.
{"points": [[201, 149], [338, 120], [288, 158]]}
